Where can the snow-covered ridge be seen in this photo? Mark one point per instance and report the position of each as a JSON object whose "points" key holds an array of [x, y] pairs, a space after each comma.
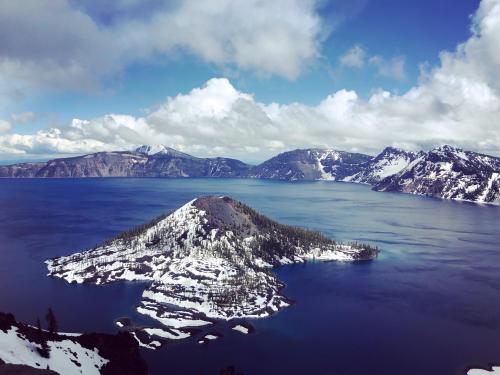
{"points": [[389, 162], [310, 164], [210, 259], [450, 173]]}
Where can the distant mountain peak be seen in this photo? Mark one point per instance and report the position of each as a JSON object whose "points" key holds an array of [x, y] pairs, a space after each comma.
{"points": [[392, 149], [158, 149]]}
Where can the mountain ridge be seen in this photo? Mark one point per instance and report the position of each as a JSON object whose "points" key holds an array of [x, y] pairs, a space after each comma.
{"points": [[476, 180]]}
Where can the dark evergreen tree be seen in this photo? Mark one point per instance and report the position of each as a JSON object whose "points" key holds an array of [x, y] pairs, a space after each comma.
{"points": [[51, 321], [39, 330], [44, 350]]}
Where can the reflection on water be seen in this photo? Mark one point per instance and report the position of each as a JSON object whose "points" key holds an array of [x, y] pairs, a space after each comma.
{"points": [[428, 305]]}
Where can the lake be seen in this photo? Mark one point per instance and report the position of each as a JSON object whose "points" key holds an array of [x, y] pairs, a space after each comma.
{"points": [[429, 304]]}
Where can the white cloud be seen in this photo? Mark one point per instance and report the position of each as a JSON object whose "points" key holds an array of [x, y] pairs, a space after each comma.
{"points": [[56, 44], [457, 102], [354, 58]]}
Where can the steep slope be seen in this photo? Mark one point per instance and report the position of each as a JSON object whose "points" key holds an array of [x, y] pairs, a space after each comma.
{"points": [[310, 164], [166, 165], [210, 259], [21, 170], [450, 173], [145, 161], [389, 162], [68, 354], [101, 164]]}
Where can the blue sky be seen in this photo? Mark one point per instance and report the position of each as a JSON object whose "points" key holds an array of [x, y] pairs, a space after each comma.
{"points": [[394, 38], [413, 29]]}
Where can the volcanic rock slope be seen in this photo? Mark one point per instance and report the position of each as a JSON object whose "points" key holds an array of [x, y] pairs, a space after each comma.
{"points": [[210, 259], [450, 173]]}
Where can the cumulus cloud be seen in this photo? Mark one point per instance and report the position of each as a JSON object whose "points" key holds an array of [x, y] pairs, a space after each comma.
{"points": [[65, 44], [47, 43], [456, 102]]}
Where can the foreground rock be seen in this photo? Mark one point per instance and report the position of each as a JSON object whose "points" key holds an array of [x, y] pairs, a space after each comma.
{"points": [[210, 259], [21, 350]]}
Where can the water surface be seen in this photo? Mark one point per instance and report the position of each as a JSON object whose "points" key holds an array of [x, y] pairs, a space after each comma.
{"points": [[430, 304]]}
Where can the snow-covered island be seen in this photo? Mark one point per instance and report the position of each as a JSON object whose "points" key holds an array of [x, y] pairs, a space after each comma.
{"points": [[210, 259]]}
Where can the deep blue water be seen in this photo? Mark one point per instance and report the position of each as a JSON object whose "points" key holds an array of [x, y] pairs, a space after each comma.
{"points": [[430, 303]]}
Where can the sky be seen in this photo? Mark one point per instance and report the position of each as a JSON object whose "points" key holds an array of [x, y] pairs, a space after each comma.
{"points": [[247, 79]]}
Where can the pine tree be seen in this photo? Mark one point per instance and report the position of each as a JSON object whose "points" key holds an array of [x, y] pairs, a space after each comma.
{"points": [[39, 336], [52, 322], [44, 351]]}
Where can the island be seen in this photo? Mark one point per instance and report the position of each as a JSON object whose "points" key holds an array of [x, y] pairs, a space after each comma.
{"points": [[209, 260]]}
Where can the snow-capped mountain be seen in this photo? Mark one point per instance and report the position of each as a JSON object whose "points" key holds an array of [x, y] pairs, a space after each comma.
{"points": [[390, 161], [161, 150], [22, 351], [210, 259], [310, 164], [450, 173]]}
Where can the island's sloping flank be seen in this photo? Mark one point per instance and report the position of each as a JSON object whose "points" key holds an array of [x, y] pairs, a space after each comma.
{"points": [[25, 349], [210, 259]]}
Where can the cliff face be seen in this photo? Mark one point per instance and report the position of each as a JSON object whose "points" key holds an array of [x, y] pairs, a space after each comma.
{"points": [[138, 163], [210, 259]]}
